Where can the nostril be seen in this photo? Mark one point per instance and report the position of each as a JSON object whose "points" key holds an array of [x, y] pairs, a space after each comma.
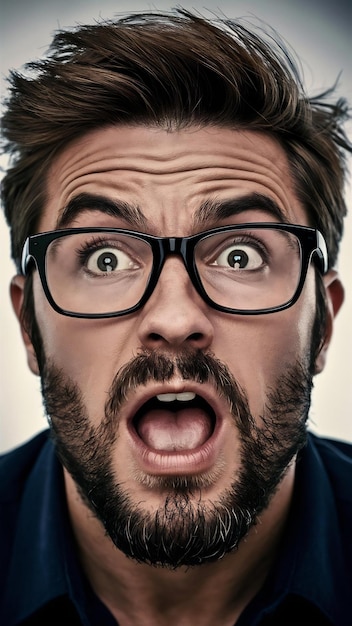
{"points": [[155, 336], [195, 337]]}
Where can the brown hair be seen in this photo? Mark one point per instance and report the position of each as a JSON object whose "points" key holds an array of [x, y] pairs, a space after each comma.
{"points": [[170, 70]]}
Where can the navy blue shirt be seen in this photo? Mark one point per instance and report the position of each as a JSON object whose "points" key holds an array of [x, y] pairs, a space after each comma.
{"points": [[41, 582]]}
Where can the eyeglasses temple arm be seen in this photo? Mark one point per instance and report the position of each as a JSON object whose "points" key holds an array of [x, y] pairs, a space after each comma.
{"points": [[322, 252], [25, 257]]}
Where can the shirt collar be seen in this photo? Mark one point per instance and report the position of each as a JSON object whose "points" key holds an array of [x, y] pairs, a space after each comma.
{"points": [[309, 565], [37, 567]]}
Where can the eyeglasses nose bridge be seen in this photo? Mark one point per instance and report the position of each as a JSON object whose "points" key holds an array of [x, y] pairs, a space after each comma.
{"points": [[174, 246]]}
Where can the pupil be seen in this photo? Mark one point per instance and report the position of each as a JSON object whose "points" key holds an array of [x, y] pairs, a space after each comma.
{"points": [[238, 257], [107, 262]]}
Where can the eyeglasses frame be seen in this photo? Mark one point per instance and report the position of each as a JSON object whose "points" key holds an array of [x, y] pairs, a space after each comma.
{"points": [[312, 245]]}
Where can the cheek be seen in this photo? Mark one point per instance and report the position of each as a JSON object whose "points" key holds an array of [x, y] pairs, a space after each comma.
{"points": [[304, 316], [259, 349], [90, 352]]}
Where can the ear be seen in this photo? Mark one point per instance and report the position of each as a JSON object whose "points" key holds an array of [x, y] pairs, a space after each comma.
{"points": [[17, 297], [334, 298]]}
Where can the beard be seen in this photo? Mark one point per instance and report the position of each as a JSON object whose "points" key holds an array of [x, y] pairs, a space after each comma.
{"points": [[187, 529]]}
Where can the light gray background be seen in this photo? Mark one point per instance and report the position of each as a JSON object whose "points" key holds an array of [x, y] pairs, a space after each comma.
{"points": [[319, 31]]}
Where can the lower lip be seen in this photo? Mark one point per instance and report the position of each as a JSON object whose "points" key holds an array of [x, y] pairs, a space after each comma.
{"points": [[178, 462]]}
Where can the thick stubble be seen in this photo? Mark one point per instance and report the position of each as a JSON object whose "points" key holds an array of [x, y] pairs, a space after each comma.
{"points": [[187, 529]]}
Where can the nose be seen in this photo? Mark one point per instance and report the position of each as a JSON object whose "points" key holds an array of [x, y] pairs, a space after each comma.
{"points": [[175, 315]]}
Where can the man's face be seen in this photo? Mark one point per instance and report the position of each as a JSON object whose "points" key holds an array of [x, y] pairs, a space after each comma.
{"points": [[222, 449]]}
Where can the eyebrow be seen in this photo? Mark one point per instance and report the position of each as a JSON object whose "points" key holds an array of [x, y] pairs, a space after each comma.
{"points": [[214, 211], [209, 213], [90, 202]]}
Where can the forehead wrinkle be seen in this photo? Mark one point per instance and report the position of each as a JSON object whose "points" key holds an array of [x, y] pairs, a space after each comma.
{"points": [[209, 178]]}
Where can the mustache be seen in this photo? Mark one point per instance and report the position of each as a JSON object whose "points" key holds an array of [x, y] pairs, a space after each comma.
{"points": [[196, 366]]}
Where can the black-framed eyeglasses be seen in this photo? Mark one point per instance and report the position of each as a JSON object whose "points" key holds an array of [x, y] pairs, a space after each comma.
{"points": [[246, 269]]}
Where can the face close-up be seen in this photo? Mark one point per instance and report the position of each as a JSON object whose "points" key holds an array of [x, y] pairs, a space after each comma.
{"points": [[228, 437], [175, 199]]}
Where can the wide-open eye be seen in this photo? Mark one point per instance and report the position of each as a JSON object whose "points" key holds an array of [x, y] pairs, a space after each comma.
{"points": [[240, 257], [108, 260]]}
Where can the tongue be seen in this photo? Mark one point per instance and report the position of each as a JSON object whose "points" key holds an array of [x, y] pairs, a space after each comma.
{"points": [[165, 430]]}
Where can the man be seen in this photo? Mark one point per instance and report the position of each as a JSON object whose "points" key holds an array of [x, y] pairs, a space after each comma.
{"points": [[176, 204]]}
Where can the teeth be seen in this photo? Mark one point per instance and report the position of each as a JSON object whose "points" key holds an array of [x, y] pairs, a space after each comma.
{"points": [[186, 396]]}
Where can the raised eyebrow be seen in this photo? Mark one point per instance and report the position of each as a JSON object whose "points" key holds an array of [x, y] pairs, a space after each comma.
{"points": [[90, 202], [212, 211]]}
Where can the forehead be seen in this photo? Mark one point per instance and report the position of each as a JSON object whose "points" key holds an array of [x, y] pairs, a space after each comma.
{"points": [[168, 175]]}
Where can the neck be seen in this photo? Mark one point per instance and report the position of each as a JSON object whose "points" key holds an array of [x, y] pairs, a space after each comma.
{"points": [[214, 593]]}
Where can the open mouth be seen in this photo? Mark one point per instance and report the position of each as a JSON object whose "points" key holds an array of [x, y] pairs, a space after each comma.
{"points": [[172, 422]]}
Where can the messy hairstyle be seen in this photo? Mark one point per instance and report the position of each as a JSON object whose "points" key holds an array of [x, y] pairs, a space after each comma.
{"points": [[171, 71]]}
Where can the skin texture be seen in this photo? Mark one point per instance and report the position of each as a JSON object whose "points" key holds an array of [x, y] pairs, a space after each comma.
{"points": [[168, 175]]}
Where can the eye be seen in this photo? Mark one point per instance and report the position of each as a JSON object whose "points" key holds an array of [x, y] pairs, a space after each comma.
{"points": [[108, 260], [240, 257]]}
